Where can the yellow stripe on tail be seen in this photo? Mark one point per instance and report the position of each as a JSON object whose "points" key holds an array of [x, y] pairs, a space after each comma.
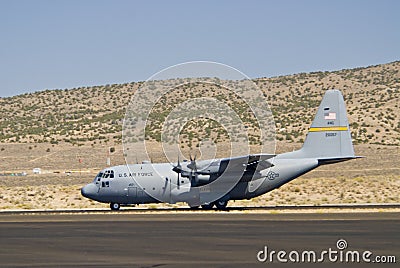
{"points": [[320, 129]]}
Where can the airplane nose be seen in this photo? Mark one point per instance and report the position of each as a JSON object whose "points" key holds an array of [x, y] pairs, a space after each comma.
{"points": [[89, 190]]}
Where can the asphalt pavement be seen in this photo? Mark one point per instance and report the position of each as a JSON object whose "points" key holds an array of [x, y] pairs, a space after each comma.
{"points": [[215, 239]]}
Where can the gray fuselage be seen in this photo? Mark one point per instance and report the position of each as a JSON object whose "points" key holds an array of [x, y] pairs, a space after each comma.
{"points": [[154, 183]]}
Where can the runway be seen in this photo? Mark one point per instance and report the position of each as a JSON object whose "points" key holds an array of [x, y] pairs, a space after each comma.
{"points": [[214, 239]]}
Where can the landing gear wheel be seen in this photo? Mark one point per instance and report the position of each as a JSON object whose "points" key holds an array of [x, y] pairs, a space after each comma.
{"points": [[221, 204], [114, 206], [207, 206]]}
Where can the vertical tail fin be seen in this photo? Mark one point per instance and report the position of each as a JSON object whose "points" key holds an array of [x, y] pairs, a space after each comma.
{"points": [[329, 137]]}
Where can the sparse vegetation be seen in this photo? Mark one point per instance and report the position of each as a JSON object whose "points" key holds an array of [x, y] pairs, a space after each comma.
{"points": [[95, 114]]}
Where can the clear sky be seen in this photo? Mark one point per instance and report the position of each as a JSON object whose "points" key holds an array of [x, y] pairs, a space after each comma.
{"points": [[66, 44]]}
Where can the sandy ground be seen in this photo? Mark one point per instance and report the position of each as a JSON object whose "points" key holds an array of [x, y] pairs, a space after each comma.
{"points": [[375, 179], [314, 191]]}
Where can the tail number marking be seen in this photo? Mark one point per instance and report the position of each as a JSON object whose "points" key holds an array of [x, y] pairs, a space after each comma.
{"points": [[330, 134]]}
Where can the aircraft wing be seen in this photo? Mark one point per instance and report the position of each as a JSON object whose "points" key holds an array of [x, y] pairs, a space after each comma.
{"points": [[253, 162]]}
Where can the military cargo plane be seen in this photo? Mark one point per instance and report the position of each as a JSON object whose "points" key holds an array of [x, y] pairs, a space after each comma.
{"points": [[209, 183]]}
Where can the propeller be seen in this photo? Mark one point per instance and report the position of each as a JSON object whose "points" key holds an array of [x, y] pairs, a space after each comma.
{"points": [[178, 169], [192, 174]]}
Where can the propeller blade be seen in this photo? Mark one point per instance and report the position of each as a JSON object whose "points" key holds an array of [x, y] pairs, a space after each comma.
{"points": [[178, 167], [192, 165], [179, 173], [179, 180]]}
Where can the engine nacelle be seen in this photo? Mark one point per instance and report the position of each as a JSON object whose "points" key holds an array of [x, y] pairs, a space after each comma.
{"points": [[202, 179]]}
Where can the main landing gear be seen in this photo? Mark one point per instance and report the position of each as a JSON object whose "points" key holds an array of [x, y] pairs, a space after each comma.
{"points": [[115, 206], [220, 204]]}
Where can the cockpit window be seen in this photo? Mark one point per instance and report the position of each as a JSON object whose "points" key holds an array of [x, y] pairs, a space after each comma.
{"points": [[109, 174], [98, 177]]}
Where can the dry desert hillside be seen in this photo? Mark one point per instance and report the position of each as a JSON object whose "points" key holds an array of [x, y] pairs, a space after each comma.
{"points": [[69, 134]]}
